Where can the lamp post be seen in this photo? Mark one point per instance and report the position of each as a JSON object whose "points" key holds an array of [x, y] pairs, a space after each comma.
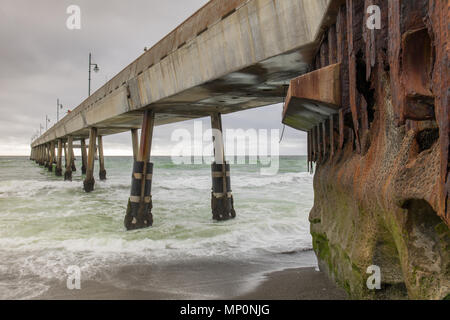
{"points": [[96, 69], [40, 129], [47, 120], [58, 106]]}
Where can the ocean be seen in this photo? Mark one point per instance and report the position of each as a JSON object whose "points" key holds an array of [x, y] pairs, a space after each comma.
{"points": [[48, 224]]}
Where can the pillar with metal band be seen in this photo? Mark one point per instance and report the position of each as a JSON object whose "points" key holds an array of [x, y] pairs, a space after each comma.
{"points": [[101, 159], [89, 181], [69, 155], [83, 156], [52, 156], [222, 205], [58, 169], [139, 210], [72, 159]]}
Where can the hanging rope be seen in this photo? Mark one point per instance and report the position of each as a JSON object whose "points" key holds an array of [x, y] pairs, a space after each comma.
{"points": [[282, 133]]}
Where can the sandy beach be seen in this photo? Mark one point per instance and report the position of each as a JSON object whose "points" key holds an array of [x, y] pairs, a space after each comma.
{"points": [[288, 284]]}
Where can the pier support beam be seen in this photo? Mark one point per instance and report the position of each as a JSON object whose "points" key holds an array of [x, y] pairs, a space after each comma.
{"points": [[74, 168], [69, 155], [221, 198], [41, 156], [135, 142], [46, 157], [83, 156], [139, 210], [89, 181], [58, 169], [38, 158], [52, 156], [65, 154], [101, 159]]}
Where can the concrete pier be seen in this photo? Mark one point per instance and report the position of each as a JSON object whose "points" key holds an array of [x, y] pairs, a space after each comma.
{"points": [[101, 159], [69, 155], [221, 197], [89, 181], [139, 210]]}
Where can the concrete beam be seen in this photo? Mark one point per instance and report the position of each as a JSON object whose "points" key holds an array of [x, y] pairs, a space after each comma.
{"points": [[312, 98]]}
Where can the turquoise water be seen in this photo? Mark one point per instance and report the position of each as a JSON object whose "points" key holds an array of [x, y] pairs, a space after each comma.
{"points": [[47, 224]]}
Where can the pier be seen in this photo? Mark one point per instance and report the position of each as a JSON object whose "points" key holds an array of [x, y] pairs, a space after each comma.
{"points": [[227, 57], [372, 98]]}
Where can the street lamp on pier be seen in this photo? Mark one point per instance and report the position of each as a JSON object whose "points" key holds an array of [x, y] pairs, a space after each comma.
{"points": [[47, 121], [58, 106], [96, 69]]}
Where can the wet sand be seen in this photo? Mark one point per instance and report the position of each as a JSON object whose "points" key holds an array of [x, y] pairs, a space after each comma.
{"points": [[296, 284], [289, 284]]}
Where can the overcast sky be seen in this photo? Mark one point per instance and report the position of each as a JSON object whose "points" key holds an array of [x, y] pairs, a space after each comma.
{"points": [[41, 60]]}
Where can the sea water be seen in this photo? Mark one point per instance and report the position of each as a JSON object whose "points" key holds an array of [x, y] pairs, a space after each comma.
{"points": [[48, 224]]}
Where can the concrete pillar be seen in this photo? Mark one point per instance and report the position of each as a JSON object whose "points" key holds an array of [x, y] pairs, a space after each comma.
{"points": [[58, 169], [74, 168], [221, 197], [135, 142], [43, 162], [83, 156], [65, 154], [69, 154], [46, 156], [139, 210], [52, 156], [89, 181], [101, 159]]}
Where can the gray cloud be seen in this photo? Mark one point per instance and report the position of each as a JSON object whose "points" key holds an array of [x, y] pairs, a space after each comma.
{"points": [[41, 60]]}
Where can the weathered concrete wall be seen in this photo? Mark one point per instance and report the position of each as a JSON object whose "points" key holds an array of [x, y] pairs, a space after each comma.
{"points": [[381, 182]]}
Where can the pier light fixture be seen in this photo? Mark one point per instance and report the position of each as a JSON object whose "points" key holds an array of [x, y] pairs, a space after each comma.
{"points": [[59, 106], [96, 69]]}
